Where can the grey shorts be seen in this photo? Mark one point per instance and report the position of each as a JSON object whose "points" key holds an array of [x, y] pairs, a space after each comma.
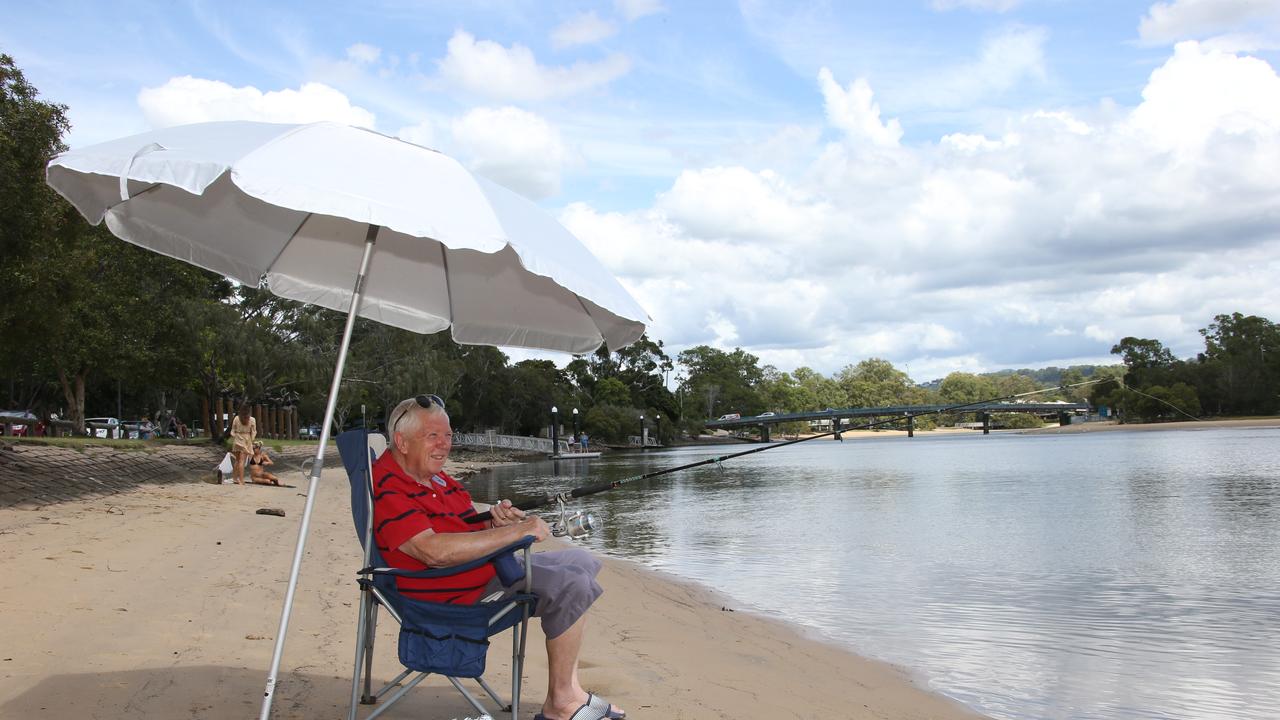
{"points": [[565, 583]]}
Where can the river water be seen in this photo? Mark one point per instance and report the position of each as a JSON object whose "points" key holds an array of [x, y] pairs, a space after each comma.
{"points": [[1095, 575]]}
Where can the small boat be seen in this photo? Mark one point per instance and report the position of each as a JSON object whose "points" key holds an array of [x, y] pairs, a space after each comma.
{"points": [[574, 456]]}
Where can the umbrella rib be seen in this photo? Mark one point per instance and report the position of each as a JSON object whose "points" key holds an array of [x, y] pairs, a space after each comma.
{"points": [[448, 289], [286, 244], [133, 196]]}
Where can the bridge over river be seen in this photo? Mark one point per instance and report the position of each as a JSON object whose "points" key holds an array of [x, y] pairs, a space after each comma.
{"points": [[908, 412]]}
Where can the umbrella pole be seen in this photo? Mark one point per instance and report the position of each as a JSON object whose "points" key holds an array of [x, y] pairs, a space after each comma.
{"points": [[316, 467]]}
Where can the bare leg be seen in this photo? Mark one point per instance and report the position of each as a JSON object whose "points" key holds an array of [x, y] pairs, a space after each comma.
{"points": [[564, 693], [241, 459]]}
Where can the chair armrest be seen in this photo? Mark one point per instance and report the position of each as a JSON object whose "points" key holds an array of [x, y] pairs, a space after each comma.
{"points": [[523, 543]]}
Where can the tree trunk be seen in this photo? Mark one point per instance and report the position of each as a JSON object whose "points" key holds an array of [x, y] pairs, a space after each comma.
{"points": [[73, 391]]}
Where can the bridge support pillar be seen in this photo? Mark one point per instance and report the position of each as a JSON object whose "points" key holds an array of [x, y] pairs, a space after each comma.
{"points": [[764, 433], [911, 426], [986, 423], [1063, 419]]}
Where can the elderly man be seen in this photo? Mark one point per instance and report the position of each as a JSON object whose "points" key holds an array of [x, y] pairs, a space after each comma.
{"points": [[420, 521]]}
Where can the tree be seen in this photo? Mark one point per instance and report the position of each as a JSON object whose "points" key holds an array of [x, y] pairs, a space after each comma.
{"points": [[727, 381], [877, 383], [1242, 361]]}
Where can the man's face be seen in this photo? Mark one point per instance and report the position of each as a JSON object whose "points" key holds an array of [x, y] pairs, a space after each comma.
{"points": [[427, 448]]}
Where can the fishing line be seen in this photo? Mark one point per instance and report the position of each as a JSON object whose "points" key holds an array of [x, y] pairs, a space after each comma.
{"points": [[564, 497]]}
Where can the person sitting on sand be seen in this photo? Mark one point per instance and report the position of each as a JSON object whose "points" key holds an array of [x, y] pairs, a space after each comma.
{"points": [[420, 514], [258, 462]]}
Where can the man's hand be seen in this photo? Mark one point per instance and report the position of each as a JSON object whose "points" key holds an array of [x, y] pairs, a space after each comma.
{"points": [[535, 526], [503, 513]]}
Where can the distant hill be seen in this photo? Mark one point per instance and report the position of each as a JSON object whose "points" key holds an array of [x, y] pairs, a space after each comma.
{"points": [[1044, 376]]}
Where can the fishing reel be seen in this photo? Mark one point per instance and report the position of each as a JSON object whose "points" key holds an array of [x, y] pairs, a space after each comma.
{"points": [[577, 525]]}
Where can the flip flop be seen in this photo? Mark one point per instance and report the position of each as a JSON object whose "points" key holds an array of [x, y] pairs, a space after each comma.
{"points": [[601, 704], [596, 708]]}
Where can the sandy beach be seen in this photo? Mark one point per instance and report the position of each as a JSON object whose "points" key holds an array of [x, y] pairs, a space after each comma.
{"points": [[162, 601]]}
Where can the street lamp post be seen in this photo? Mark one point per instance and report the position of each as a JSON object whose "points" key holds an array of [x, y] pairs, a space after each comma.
{"points": [[642, 431], [575, 426], [555, 430], [657, 424]]}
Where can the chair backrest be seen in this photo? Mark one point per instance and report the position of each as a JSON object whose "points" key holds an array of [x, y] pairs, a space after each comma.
{"points": [[358, 449]]}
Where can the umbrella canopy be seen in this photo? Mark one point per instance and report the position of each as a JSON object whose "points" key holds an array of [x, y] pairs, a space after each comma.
{"points": [[289, 206]]}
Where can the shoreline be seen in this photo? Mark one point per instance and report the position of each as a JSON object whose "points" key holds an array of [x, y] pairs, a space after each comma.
{"points": [[142, 611]]}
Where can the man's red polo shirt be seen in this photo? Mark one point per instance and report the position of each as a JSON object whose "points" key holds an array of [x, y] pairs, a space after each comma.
{"points": [[403, 508]]}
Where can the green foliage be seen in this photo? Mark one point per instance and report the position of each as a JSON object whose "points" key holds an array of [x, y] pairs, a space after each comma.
{"points": [[612, 424], [1019, 421], [877, 383], [611, 391], [720, 382]]}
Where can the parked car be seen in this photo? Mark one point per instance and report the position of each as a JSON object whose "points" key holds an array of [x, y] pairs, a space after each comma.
{"points": [[730, 416], [767, 414], [18, 421], [103, 427], [310, 432]]}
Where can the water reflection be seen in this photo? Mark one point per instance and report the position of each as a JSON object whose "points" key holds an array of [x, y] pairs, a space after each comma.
{"points": [[1106, 575]]}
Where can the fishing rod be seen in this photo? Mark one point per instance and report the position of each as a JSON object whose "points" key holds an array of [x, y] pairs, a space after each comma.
{"points": [[580, 524]]}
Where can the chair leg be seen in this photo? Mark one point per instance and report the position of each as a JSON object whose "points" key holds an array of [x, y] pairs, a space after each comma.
{"points": [[470, 698], [517, 660], [370, 635], [362, 651]]}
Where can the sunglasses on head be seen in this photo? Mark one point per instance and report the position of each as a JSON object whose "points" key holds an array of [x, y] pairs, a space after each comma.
{"points": [[424, 401]]}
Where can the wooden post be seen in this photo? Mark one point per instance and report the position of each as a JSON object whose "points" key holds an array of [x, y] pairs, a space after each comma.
{"points": [[215, 428], [206, 415], [911, 426], [273, 421], [293, 423], [986, 423]]}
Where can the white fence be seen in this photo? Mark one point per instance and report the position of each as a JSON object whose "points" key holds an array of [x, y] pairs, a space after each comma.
{"points": [[494, 441]]}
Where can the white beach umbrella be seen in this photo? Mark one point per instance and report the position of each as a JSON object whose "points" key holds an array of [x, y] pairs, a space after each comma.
{"points": [[300, 208]]}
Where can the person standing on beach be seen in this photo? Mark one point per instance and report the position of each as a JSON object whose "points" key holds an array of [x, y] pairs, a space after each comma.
{"points": [[244, 431], [419, 515]]}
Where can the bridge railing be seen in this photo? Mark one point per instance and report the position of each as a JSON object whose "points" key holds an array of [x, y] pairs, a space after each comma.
{"points": [[493, 441]]}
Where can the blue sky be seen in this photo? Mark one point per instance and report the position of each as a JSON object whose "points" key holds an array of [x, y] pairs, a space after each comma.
{"points": [[948, 184]]}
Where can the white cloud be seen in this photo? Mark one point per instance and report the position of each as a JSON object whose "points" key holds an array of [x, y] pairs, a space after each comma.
{"points": [[1200, 96], [987, 5], [1169, 22], [491, 70], [363, 53], [853, 111], [582, 29], [635, 9], [737, 204], [1006, 58], [1052, 238], [186, 99], [512, 147]]}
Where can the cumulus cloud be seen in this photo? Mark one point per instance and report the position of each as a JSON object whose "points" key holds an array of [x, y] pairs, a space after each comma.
{"points": [[852, 110], [635, 9], [582, 29], [1045, 242], [187, 99], [1169, 22], [512, 147], [489, 69]]}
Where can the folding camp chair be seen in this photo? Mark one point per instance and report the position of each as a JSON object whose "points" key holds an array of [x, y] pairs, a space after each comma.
{"points": [[445, 639]]}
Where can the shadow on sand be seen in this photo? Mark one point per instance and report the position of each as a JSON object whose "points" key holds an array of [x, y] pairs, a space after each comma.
{"points": [[213, 693]]}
